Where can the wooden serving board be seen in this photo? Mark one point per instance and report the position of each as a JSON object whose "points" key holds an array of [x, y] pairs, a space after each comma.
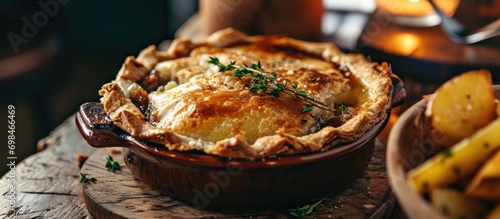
{"points": [[119, 195]]}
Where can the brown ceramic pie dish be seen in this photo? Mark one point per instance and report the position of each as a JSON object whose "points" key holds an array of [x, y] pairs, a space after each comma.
{"points": [[212, 181], [244, 121]]}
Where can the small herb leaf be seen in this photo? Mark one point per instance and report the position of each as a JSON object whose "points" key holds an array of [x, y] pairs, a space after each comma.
{"points": [[254, 89], [307, 108], [300, 212], [85, 179], [342, 108], [301, 93], [112, 164]]}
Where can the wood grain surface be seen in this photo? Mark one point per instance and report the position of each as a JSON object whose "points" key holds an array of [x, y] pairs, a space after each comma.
{"points": [[47, 183], [117, 194], [47, 186]]}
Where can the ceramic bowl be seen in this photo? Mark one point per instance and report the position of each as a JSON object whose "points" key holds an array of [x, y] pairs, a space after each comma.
{"points": [[406, 149], [211, 181]]}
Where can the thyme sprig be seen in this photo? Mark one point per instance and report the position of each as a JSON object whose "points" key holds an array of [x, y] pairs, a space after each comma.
{"points": [[85, 179], [263, 82], [112, 164], [300, 212], [342, 108]]}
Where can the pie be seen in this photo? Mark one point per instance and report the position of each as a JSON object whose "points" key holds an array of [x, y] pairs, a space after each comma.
{"points": [[182, 99]]}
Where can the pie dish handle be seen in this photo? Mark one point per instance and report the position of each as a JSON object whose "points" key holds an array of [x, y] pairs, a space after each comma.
{"points": [[399, 92], [97, 129]]}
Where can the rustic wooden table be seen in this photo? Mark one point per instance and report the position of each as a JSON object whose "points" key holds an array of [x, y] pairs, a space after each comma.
{"points": [[47, 185]]}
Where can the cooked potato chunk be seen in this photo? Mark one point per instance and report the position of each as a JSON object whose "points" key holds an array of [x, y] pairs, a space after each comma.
{"points": [[486, 183], [463, 105], [465, 124], [458, 161], [454, 204]]}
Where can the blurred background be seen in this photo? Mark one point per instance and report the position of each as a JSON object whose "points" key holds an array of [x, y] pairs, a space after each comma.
{"points": [[56, 54], [64, 57]]}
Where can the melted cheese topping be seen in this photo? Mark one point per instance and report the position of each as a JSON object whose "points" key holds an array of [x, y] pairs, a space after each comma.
{"points": [[211, 105]]}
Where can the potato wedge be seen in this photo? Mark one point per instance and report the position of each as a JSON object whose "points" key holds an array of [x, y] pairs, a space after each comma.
{"points": [[486, 183], [454, 204], [458, 161], [495, 213], [463, 105]]}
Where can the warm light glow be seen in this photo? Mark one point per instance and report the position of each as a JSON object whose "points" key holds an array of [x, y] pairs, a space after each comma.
{"points": [[416, 7], [409, 42], [405, 44]]}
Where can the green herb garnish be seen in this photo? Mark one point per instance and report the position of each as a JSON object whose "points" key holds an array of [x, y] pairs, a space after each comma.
{"points": [[112, 164], [307, 108], [342, 108], [300, 212], [263, 82], [85, 179]]}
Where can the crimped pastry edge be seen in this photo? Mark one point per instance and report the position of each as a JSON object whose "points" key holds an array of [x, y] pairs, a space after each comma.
{"points": [[128, 117]]}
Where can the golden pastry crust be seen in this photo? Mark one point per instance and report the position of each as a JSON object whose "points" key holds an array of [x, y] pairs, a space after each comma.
{"points": [[177, 99]]}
